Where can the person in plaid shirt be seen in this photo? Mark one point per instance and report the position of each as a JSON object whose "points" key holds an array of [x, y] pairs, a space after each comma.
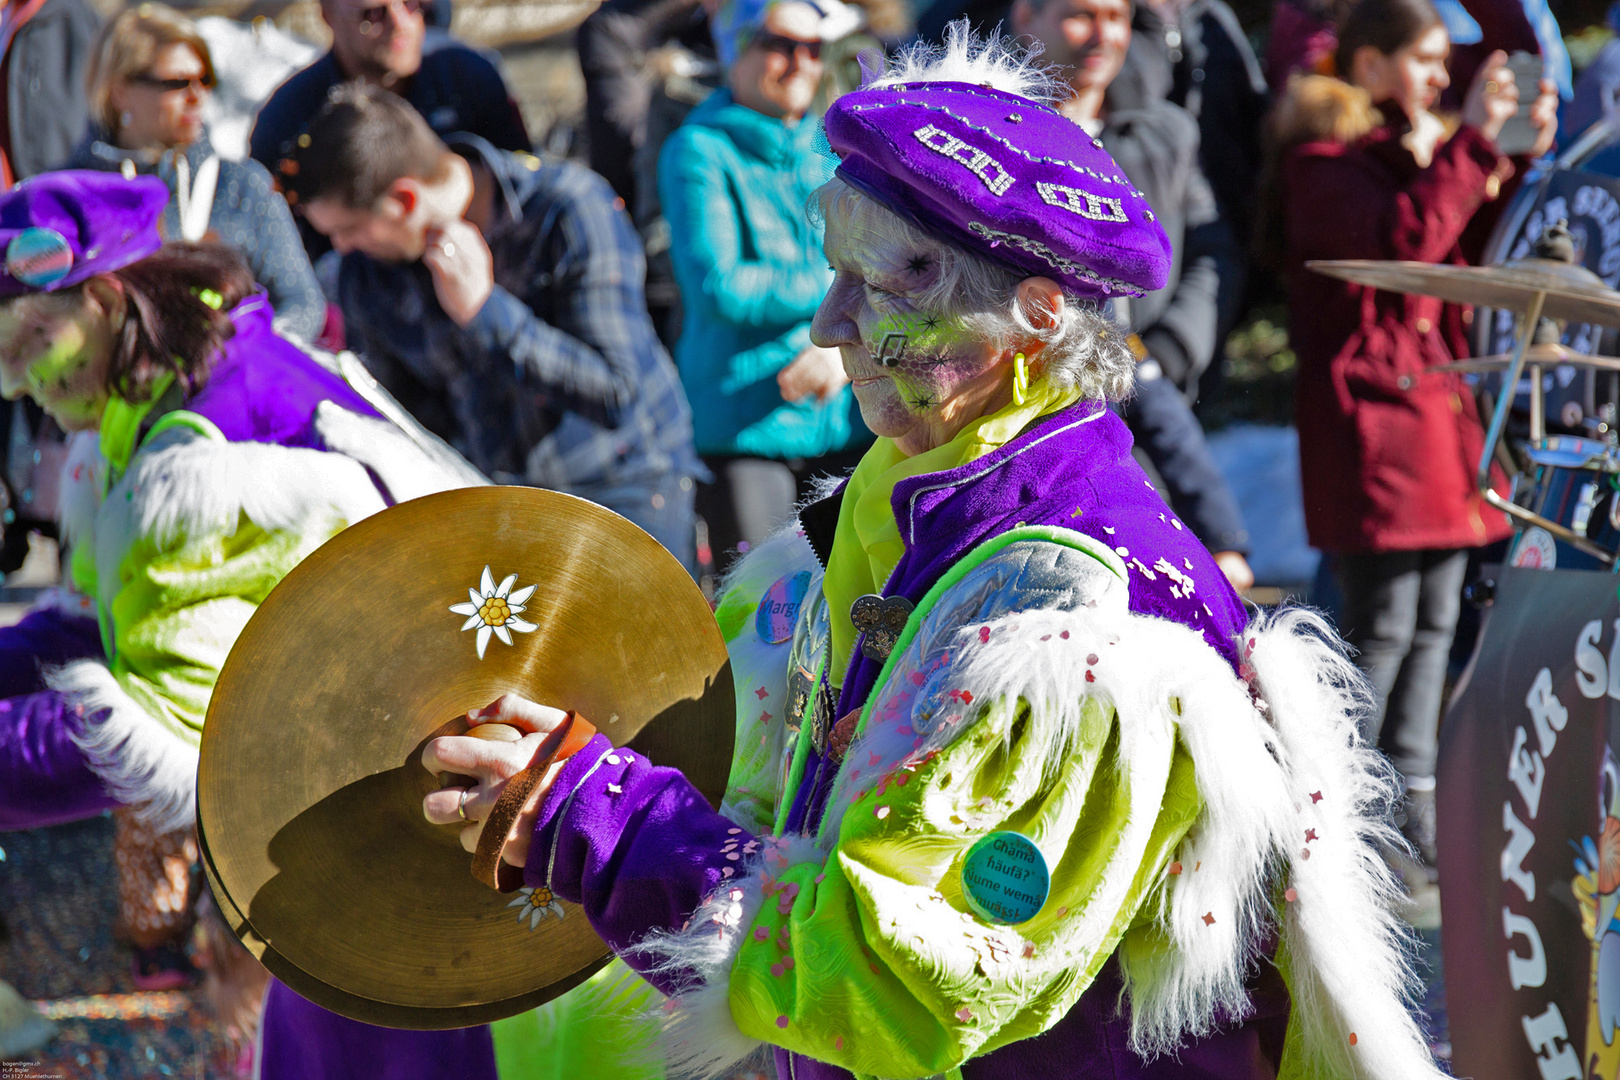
{"points": [[499, 297]]}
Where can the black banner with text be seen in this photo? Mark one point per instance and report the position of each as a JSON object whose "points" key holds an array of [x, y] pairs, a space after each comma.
{"points": [[1529, 804]]}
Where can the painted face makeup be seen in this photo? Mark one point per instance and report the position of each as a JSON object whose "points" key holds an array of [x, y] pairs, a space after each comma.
{"points": [[51, 350], [918, 374]]}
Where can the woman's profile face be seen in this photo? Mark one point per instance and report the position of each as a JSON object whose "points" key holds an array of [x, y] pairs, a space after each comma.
{"points": [[919, 375], [163, 104], [1412, 77], [56, 348]]}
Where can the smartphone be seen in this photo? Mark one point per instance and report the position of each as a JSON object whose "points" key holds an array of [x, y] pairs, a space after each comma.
{"points": [[1518, 134]]}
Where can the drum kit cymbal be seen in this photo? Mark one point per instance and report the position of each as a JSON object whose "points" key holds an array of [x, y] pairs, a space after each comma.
{"points": [[1547, 286], [310, 783]]}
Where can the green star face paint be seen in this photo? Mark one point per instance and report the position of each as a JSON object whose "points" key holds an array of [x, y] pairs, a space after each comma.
{"points": [[916, 370], [55, 349]]}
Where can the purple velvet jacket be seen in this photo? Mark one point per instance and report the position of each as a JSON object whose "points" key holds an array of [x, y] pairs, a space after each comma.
{"points": [[645, 858], [262, 389]]}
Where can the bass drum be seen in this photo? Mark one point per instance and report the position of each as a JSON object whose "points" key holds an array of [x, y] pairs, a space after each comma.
{"points": [[1584, 499]]}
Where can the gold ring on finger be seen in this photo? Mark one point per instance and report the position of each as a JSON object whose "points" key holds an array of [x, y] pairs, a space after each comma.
{"points": [[461, 804], [1492, 86]]}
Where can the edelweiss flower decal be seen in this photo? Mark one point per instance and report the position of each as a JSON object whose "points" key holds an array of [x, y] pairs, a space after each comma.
{"points": [[535, 905], [495, 610]]}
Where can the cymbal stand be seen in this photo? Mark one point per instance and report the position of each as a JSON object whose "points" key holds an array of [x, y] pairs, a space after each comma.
{"points": [[1538, 430]]}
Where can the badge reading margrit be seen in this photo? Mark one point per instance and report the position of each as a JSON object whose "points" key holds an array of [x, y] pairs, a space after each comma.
{"points": [[779, 609], [1004, 878]]}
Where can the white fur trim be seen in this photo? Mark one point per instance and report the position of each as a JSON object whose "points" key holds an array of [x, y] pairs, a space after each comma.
{"points": [[701, 1038], [80, 490], [183, 483], [403, 467], [1349, 955], [993, 61], [144, 764], [759, 750]]}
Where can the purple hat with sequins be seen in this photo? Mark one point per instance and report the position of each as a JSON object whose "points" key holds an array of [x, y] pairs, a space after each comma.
{"points": [[1004, 177], [60, 228]]}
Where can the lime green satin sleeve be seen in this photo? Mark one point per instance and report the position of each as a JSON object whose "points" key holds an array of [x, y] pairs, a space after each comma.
{"points": [[872, 960]]}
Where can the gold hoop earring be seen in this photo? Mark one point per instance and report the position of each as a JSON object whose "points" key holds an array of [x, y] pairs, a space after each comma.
{"points": [[1020, 382]]}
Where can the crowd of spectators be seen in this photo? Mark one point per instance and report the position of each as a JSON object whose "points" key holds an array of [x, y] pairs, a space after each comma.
{"points": [[638, 332]]}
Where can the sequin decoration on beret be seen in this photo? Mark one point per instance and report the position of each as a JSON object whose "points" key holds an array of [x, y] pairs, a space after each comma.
{"points": [[60, 228], [1004, 177]]}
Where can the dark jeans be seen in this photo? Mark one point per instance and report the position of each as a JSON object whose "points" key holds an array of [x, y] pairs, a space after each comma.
{"points": [[753, 497], [1400, 612], [663, 507], [1163, 425]]}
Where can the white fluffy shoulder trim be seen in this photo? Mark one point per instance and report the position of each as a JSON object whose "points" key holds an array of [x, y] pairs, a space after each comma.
{"points": [[144, 764], [184, 483]]}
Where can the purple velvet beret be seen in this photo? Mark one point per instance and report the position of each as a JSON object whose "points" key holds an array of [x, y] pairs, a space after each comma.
{"points": [[60, 228], [1004, 177]]}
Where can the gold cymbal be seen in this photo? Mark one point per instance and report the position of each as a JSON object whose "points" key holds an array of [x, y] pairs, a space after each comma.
{"points": [[310, 782], [1572, 292]]}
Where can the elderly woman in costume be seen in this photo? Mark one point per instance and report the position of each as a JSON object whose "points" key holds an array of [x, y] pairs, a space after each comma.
{"points": [[1020, 791], [213, 455]]}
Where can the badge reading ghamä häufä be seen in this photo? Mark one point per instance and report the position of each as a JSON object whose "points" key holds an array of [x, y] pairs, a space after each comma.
{"points": [[37, 257], [1004, 878], [779, 608]]}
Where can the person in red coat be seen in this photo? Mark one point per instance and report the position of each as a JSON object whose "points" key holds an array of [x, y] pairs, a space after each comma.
{"points": [[1388, 448]]}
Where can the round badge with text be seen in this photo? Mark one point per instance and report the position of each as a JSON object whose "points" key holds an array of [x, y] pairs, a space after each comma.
{"points": [[38, 257], [779, 608], [1004, 878]]}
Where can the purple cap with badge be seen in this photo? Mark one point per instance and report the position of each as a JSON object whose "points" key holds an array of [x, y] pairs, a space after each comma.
{"points": [[60, 228], [1003, 177]]}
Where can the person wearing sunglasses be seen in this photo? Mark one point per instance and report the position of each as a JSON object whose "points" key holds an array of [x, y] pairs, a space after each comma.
{"points": [[454, 87], [150, 82], [770, 409]]}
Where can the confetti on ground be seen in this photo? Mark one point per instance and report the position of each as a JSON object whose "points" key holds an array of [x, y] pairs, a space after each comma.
{"points": [[59, 897], [1316, 797], [137, 1006], [1352, 1038], [1290, 896], [1175, 868], [1209, 918], [964, 1014]]}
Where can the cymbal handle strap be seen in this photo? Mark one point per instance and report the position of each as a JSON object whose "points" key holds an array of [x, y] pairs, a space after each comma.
{"points": [[568, 739]]}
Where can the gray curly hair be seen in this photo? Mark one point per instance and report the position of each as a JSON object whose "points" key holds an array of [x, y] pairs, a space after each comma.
{"points": [[1084, 348]]}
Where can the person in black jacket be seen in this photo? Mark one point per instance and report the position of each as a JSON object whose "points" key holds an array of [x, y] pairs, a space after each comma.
{"points": [[1176, 328]]}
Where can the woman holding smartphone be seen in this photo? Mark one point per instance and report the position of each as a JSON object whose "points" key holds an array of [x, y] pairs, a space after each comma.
{"points": [[1365, 169]]}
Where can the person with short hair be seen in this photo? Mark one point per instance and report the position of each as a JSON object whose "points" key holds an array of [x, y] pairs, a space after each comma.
{"points": [[454, 87], [149, 86], [499, 298]]}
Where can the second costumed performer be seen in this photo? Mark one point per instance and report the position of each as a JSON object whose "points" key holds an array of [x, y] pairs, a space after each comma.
{"points": [[1019, 790]]}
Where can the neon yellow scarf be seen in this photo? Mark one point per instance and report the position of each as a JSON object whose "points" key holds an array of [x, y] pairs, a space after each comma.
{"points": [[867, 545]]}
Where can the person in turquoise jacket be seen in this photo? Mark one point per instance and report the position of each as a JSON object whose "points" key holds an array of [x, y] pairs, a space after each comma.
{"points": [[769, 408]]}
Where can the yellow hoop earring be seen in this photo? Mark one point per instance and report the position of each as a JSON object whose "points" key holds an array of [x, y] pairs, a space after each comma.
{"points": [[1020, 385]]}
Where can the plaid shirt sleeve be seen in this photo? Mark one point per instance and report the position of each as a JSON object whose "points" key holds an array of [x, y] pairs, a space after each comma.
{"points": [[594, 350]]}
